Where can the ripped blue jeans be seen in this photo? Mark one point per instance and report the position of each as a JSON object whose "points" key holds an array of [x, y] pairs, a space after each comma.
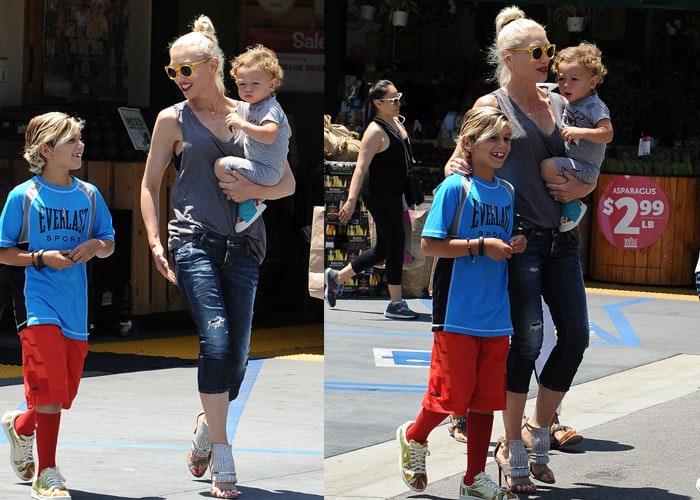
{"points": [[550, 267], [218, 279]]}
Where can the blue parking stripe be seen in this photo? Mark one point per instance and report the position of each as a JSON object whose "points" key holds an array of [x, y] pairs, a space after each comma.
{"points": [[375, 332], [234, 414], [627, 334], [371, 387], [236, 406]]}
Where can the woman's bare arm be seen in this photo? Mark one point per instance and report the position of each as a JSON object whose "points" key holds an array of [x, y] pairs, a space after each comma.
{"points": [[243, 189], [166, 135]]}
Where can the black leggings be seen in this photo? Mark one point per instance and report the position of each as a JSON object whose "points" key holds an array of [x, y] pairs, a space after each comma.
{"points": [[387, 212]]}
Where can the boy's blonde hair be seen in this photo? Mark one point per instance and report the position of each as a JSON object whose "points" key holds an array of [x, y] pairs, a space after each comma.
{"points": [[53, 129], [587, 55], [262, 57], [203, 39], [480, 124]]}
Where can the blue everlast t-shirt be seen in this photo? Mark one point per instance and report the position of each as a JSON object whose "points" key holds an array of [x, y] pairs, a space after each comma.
{"points": [[40, 215], [471, 297]]}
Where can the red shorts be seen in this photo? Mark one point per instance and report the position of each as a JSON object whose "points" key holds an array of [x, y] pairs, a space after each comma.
{"points": [[52, 364], [467, 372]]}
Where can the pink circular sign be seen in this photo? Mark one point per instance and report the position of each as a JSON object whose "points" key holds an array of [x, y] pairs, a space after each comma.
{"points": [[633, 212]]}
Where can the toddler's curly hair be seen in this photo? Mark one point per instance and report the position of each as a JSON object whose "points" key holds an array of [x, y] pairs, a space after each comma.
{"points": [[262, 57], [587, 54]]}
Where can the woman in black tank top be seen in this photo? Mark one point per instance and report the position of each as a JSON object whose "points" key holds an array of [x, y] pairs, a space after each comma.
{"points": [[380, 176]]}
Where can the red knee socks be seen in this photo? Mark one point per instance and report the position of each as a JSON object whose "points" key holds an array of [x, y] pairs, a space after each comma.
{"points": [[479, 427], [425, 422], [47, 425], [25, 423]]}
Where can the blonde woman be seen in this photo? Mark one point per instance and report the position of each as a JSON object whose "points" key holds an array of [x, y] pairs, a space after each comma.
{"points": [[550, 266], [215, 267]]}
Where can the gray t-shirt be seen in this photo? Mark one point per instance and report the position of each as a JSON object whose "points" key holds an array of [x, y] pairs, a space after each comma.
{"points": [[273, 154], [585, 113], [529, 146], [197, 200]]}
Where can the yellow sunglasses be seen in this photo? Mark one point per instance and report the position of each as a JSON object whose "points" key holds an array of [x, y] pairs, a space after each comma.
{"points": [[536, 53], [185, 69]]}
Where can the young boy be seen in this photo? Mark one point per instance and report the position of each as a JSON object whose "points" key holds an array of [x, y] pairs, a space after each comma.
{"points": [[469, 229], [51, 226], [258, 74], [587, 126]]}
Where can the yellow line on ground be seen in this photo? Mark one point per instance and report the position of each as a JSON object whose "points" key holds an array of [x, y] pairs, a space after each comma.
{"points": [[299, 342], [656, 293], [269, 342], [10, 371]]}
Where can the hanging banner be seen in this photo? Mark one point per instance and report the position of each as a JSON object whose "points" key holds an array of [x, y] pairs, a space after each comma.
{"points": [[633, 212], [300, 53], [86, 50]]}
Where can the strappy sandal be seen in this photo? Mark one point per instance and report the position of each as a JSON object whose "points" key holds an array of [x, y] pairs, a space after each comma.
{"points": [[538, 453], [563, 435], [223, 471], [200, 452], [514, 467], [458, 428]]}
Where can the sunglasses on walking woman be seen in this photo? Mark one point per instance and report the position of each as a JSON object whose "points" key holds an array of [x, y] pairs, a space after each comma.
{"points": [[536, 53], [185, 69], [393, 100]]}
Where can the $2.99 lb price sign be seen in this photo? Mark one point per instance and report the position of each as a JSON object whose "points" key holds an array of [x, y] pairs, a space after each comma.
{"points": [[633, 212]]}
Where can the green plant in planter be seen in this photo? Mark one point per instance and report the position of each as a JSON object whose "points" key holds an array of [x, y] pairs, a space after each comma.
{"points": [[568, 13], [410, 6], [563, 12], [388, 7], [359, 3]]}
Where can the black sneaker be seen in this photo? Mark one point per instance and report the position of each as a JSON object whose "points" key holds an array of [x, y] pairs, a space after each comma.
{"points": [[399, 310], [331, 287]]}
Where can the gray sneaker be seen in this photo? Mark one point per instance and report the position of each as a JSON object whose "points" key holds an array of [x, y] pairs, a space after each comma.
{"points": [[399, 310], [21, 447], [484, 489], [331, 287]]}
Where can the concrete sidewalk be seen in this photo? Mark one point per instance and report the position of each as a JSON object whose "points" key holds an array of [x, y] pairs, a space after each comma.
{"points": [[639, 429], [636, 400], [127, 435]]}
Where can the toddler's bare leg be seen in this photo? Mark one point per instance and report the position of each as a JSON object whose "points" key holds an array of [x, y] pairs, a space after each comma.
{"points": [[549, 173], [221, 172]]}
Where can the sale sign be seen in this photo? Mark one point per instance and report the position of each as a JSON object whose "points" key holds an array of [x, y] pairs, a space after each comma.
{"points": [[633, 212], [301, 54]]}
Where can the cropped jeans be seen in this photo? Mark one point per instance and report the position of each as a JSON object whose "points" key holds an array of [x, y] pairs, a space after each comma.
{"points": [[218, 279], [550, 267]]}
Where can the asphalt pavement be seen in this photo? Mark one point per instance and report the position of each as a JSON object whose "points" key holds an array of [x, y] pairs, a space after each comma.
{"points": [[129, 431], [635, 399], [318, 421]]}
